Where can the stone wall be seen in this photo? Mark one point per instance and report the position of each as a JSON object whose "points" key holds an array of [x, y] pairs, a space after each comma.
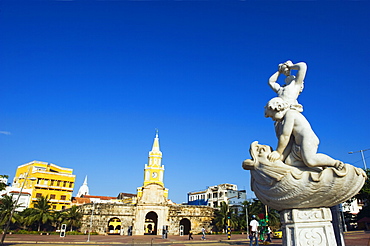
{"points": [[98, 215], [102, 213], [199, 216]]}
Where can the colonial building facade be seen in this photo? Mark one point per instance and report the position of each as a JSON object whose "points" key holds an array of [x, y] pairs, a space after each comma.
{"points": [[150, 212], [213, 196], [38, 178]]}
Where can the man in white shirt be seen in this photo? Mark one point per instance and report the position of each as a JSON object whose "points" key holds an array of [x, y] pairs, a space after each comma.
{"points": [[203, 234], [253, 234]]}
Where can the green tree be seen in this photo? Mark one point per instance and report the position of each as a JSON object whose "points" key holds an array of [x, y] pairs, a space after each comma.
{"points": [[2, 184], [6, 206], [73, 217], [364, 197], [221, 217], [41, 212], [58, 218], [364, 194], [23, 218], [257, 208]]}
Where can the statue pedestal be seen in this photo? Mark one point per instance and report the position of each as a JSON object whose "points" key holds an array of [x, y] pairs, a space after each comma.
{"points": [[306, 227]]}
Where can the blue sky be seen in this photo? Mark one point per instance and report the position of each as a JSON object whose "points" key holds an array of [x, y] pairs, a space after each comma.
{"points": [[84, 85]]}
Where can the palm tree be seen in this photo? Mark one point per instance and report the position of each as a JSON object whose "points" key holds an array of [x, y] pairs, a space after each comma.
{"points": [[2, 184], [23, 218], [73, 217], [41, 212], [258, 208], [7, 204], [58, 217], [221, 217]]}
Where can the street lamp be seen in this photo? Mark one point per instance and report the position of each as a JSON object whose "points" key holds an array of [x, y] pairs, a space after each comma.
{"points": [[91, 220], [362, 154], [246, 216], [15, 206]]}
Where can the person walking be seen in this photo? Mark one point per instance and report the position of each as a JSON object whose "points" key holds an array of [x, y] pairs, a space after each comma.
{"points": [[268, 239], [253, 228], [203, 234], [190, 235]]}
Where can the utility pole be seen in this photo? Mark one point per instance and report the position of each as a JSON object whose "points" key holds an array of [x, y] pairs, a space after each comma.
{"points": [[91, 220], [15, 206], [362, 155]]}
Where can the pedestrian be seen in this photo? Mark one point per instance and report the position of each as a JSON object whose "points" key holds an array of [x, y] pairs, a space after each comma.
{"points": [[190, 235], [203, 234], [253, 225], [268, 234]]}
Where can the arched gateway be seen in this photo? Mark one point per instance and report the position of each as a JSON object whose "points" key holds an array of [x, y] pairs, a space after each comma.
{"points": [[186, 225], [114, 226], [150, 211], [151, 223]]}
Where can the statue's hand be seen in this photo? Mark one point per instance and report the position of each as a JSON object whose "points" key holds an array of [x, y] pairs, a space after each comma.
{"points": [[288, 63], [282, 67], [274, 156]]}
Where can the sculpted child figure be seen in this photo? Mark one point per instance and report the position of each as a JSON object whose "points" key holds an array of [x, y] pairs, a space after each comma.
{"points": [[297, 142], [293, 84]]}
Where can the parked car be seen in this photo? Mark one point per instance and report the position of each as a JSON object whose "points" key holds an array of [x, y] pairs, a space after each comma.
{"points": [[277, 234]]}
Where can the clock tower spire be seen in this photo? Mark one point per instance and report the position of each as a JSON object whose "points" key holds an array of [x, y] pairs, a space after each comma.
{"points": [[154, 170]]}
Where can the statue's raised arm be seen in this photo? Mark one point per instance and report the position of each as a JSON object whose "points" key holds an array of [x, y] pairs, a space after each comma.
{"points": [[293, 86], [301, 73]]}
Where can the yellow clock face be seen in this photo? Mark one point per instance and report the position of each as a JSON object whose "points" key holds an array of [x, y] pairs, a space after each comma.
{"points": [[154, 175]]}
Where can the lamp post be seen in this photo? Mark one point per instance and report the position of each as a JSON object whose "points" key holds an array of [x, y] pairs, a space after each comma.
{"points": [[362, 154], [91, 220], [15, 206], [246, 216]]}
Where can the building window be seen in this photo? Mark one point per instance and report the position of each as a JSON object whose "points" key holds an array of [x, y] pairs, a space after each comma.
{"points": [[215, 195], [38, 194], [54, 206], [64, 183], [52, 196], [58, 183], [63, 207], [70, 184], [62, 197], [51, 182]]}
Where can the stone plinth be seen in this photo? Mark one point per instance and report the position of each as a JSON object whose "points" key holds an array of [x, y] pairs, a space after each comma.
{"points": [[307, 227]]}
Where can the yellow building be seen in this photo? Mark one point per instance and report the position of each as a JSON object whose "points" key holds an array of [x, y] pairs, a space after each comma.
{"points": [[46, 179]]}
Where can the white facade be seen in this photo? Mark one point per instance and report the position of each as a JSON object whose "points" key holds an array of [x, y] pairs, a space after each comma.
{"points": [[24, 199], [213, 196], [354, 207]]}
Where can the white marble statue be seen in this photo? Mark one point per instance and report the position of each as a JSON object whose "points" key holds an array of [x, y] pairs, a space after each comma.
{"points": [[295, 176], [293, 86], [282, 186], [297, 142]]}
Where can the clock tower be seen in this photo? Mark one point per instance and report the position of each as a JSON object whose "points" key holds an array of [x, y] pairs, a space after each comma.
{"points": [[154, 170]]}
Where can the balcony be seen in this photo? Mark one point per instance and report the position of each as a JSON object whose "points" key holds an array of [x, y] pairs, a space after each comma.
{"points": [[43, 186]]}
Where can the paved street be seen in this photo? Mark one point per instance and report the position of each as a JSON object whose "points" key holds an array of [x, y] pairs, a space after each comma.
{"points": [[356, 238]]}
